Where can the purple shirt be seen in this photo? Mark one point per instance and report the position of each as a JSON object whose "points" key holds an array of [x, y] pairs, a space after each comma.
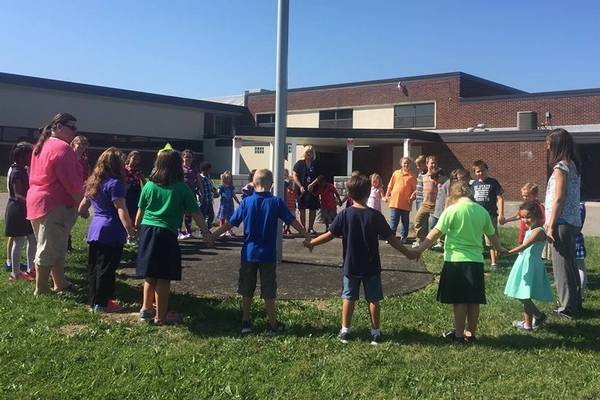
{"points": [[106, 226]]}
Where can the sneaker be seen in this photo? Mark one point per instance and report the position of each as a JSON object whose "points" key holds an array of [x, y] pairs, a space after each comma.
{"points": [[520, 325], [415, 245], [274, 330], [537, 322], [31, 273], [376, 340], [437, 247], [21, 276], [344, 337], [147, 315], [451, 336], [24, 268], [246, 327], [312, 232], [493, 266], [113, 306], [403, 240], [181, 236], [7, 268], [566, 313]]}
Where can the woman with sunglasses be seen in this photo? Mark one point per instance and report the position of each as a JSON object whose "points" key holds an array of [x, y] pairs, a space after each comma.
{"points": [[56, 189]]}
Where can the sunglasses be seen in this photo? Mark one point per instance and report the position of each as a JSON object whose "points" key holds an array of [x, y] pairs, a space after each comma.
{"points": [[73, 128]]}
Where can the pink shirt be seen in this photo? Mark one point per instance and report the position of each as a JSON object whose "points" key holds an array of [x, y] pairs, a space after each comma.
{"points": [[54, 175]]}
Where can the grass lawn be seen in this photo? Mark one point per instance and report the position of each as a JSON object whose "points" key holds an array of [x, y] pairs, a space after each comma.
{"points": [[52, 347]]}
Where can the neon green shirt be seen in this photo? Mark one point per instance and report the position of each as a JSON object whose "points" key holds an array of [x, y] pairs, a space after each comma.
{"points": [[164, 205], [463, 224]]}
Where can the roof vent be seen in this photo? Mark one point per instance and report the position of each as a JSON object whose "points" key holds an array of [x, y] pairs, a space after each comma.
{"points": [[527, 120]]}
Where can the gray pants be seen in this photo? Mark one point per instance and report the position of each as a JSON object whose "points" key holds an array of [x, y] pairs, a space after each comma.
{"points": [[564, 265]]}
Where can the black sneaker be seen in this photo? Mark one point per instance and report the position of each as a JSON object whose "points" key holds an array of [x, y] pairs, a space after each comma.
{"points": [[537, 322], [246, 327], [566, 313], [451, 336], [279, 327], [376, 339], [344, 337]]}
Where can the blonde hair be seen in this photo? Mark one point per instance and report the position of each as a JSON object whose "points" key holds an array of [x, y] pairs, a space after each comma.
{"points": [[374, 176], [459, 189], [530, 188], [420, 159], [263, 178], [224, 175], [308, 149]]}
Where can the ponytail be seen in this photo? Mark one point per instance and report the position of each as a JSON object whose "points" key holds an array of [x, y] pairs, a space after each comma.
{"points": [[44, 134]]}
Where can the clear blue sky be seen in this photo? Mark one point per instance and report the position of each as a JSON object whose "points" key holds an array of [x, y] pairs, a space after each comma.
{"points": [[203, 48]]}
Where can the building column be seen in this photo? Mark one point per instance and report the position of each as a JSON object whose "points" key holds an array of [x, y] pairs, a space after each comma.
{"points": [[407, 147], [350, 151], [235, 155], [272, 160]]}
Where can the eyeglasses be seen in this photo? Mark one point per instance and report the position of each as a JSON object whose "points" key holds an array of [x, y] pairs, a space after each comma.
{"points": [[73, 128]]}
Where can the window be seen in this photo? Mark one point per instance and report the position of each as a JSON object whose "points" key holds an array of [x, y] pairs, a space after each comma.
{"points": [[335, 119], [265, 120], [259, 150], [289, 148], [414, 116], [223, 126]]}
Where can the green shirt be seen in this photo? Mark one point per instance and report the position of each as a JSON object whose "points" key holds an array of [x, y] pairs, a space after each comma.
{"points": [[464, 223], [164, 205]]}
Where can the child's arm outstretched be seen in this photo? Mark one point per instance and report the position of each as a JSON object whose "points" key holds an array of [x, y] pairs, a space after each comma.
{"points": [[537, 235], [431, 238], [397, 244], [235, 198], [207, 235], [321, 239]]}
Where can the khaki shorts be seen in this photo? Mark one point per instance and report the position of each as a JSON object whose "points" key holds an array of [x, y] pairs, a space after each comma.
{"points": [[495, 223], [52, 234]]}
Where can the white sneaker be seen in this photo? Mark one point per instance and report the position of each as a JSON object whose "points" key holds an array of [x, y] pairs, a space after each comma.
{"points": [[415, 245]]}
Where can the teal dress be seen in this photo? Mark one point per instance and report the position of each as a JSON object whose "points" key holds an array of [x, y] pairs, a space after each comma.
{"points": [[528, 278]]}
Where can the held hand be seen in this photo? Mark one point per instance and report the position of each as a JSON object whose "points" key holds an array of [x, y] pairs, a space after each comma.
{"points": [[307, 244], [549, 233], [385, 199], [209, 239], [132, 233], [501, 219], [413, 255], [503, 252]]}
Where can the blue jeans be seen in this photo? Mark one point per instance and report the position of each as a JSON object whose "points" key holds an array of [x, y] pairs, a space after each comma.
{"points": [[396, 214]]}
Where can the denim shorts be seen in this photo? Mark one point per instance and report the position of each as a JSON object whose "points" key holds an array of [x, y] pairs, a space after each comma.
{"points": [[371, 285]]}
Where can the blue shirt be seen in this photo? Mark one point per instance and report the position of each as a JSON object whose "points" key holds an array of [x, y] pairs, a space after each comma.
{"points": [[360, 229], [260, 214], [106, 226]]}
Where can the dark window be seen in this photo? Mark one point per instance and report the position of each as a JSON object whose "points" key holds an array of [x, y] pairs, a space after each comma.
{"points": [[15, 135], [267, 120], [414, 116], [223, 126], [335, 119]]}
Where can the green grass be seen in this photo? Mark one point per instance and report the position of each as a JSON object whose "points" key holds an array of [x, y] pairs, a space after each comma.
{"points": [[52, 347]]}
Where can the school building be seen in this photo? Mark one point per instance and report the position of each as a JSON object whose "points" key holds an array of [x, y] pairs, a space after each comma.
{"points": [[366, 126]]}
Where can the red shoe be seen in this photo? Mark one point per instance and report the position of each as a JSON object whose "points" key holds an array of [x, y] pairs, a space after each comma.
{"points": [[113, 306], [21, 276], [32, 273]]}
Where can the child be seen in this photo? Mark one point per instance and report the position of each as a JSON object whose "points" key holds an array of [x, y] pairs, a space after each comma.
{"points": [[291, 203], [528, 279], [248, 189], [328, 194], [192, 178], [458, 174], [227, 192], [17, 227], [529, 192], [417, 195], [429, 188], [580, 252], [260, 214], [488, 194], [440, 204], [134, 182], [360, 227], [210, 193], [80, 146], [401, 188], [462, 282], [377, 193], [109, 229], [163, 201]]}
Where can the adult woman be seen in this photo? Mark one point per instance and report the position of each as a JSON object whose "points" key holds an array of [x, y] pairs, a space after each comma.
{"points": [[305, 175], [563, 219], [56, 188]]}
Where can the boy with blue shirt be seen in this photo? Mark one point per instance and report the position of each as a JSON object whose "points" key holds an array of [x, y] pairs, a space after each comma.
{"points": [[260, 213], [360, 228]]}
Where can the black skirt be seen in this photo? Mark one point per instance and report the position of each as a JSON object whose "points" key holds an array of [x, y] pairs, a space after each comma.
{"points": [[15, 219], [462, 282], [159, 254]]}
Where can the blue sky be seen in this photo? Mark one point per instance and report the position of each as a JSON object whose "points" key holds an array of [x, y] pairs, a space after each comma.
{"points": [[202, 48]]}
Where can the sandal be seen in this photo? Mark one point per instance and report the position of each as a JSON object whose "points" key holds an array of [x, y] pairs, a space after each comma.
{"points": [[172, 318]]}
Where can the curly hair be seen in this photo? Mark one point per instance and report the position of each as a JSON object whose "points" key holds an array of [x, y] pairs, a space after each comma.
{"points": [[109, 165]]}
